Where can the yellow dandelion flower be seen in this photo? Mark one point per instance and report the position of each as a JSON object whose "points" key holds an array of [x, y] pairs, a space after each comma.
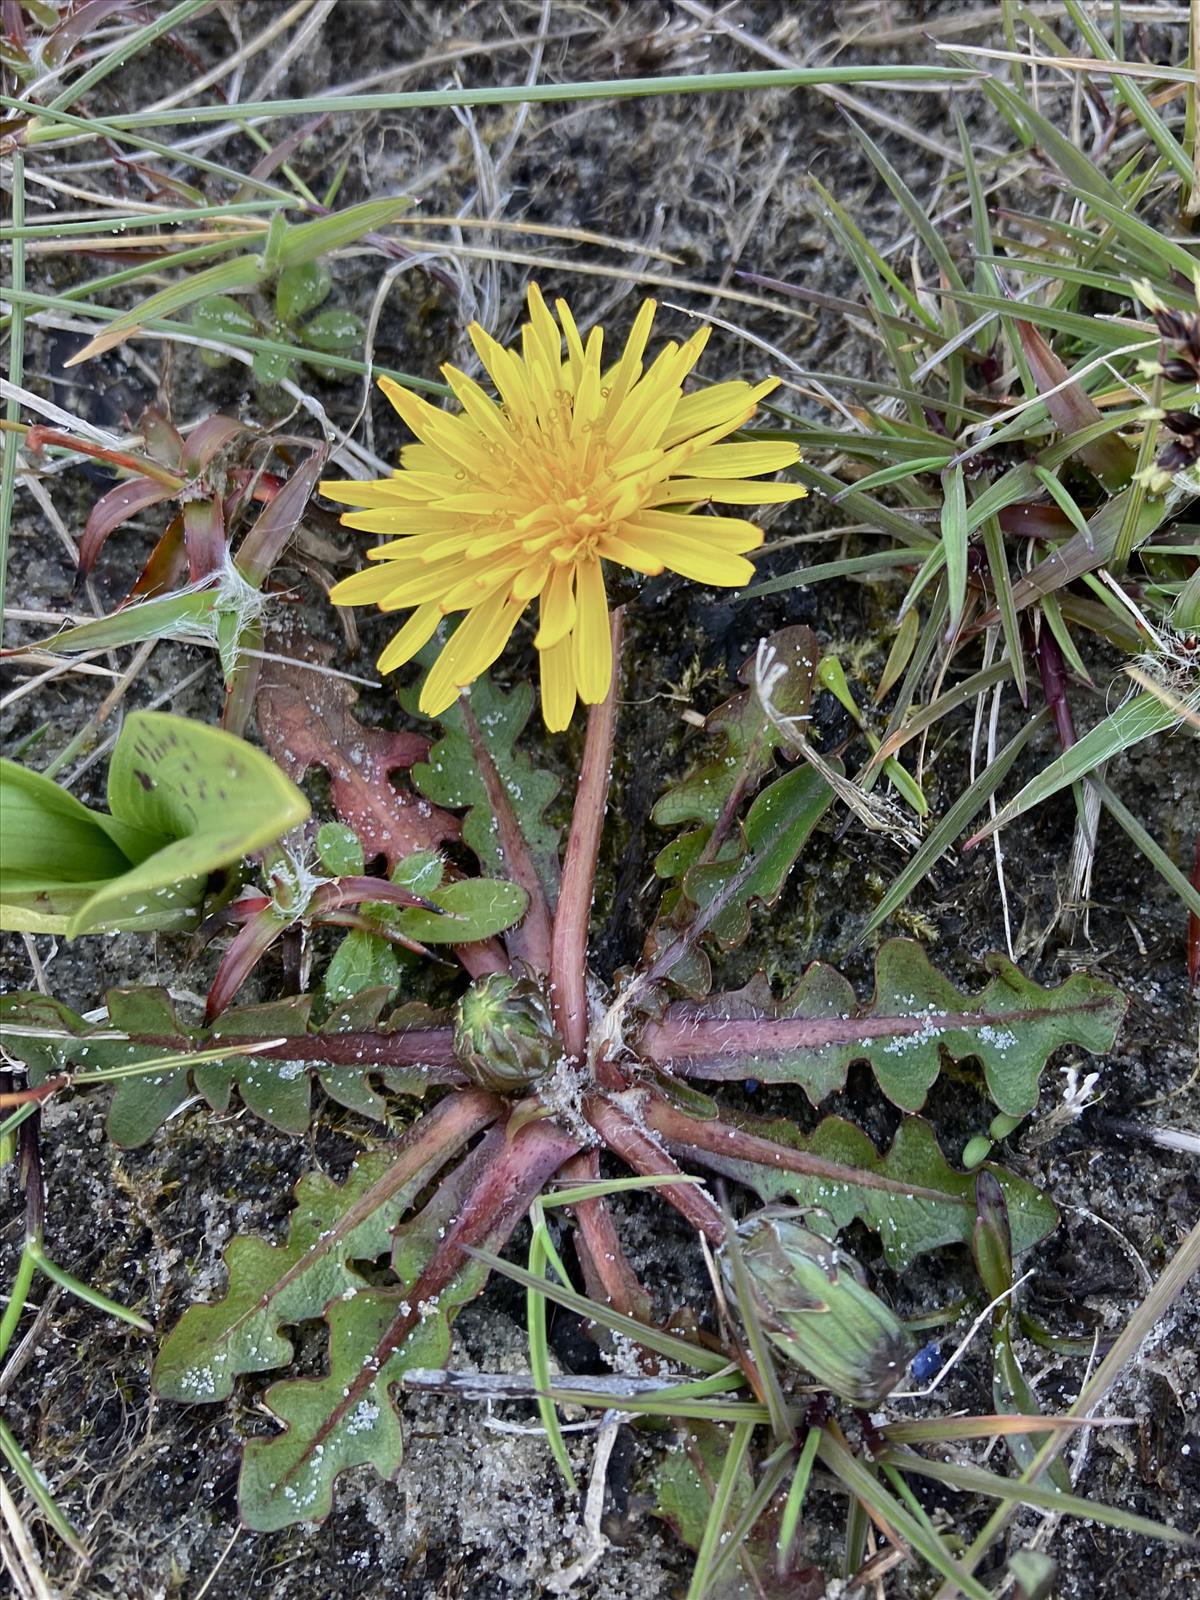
{"points": [[526, 497]]}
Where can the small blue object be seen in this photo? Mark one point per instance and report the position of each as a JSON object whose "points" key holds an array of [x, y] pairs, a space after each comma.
{"points": [[927, 1361], [750, 1085]]}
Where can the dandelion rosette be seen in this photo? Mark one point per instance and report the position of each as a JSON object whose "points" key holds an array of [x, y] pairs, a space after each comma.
{"points": [[526, 497]]}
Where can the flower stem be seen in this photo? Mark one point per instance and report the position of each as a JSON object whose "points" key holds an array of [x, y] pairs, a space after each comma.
{"points": [[568, 955]]}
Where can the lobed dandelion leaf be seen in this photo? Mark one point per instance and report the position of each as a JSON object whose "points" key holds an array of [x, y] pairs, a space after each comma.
{"points": [[814, 1033]]}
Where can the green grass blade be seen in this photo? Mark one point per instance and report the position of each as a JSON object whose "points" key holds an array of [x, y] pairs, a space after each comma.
{"points": [[31, 1480], [789, 1520], [993, 544], [774, 1471], [977, 684], [664, 1344], [1082, 174], [126, 48], [1149, 847], [954, 543], [940, 838], [866, 1487], [1139, 718], [975, 1480], [540, 1248], [16, 375], [540, 93], [97, 128], [881, 561], [1128, 91], [718, 1517]]}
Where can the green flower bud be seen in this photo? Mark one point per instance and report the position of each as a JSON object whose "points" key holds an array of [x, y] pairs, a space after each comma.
{"points": [[504, 1034], [815, 1307]]}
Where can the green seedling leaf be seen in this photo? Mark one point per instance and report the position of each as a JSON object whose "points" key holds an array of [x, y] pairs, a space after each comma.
{"points": [[339, 850], [293, 246], [336, 332], [475, 908], [451, 777], [812, 1035], [686, 1477], [224, 319], [213, 796], [362, 961], [936, 1208], [301, 289], [271, 368], [56, 855]]}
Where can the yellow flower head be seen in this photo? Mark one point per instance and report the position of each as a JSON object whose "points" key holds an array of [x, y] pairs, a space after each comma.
{"points": [[525, 498]]}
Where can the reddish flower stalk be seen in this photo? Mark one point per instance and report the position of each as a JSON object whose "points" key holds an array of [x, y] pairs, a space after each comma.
{"points": [[568, 957]]}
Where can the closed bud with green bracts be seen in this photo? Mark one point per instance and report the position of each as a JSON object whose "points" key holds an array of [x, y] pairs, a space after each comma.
{"points": [[814, 1306], [504, 1034]]}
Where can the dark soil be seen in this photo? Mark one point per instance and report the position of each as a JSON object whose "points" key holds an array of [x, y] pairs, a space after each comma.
{"points": [[720, 183]]}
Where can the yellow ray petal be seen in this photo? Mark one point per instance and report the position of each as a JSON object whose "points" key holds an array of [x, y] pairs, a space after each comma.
{"points": [[506, 372], [557, 612], [479, 579], [724, 406], [482, 410], [545, 331], [558, 685], [574, 341], [744, 460], [621, 377], [614, 548], [591, 639], [413, 636], [401, 519], [692, 559], [531, 580], [476, 642], [726, 491], [367, 492], [364, 588], [734, 534]]}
